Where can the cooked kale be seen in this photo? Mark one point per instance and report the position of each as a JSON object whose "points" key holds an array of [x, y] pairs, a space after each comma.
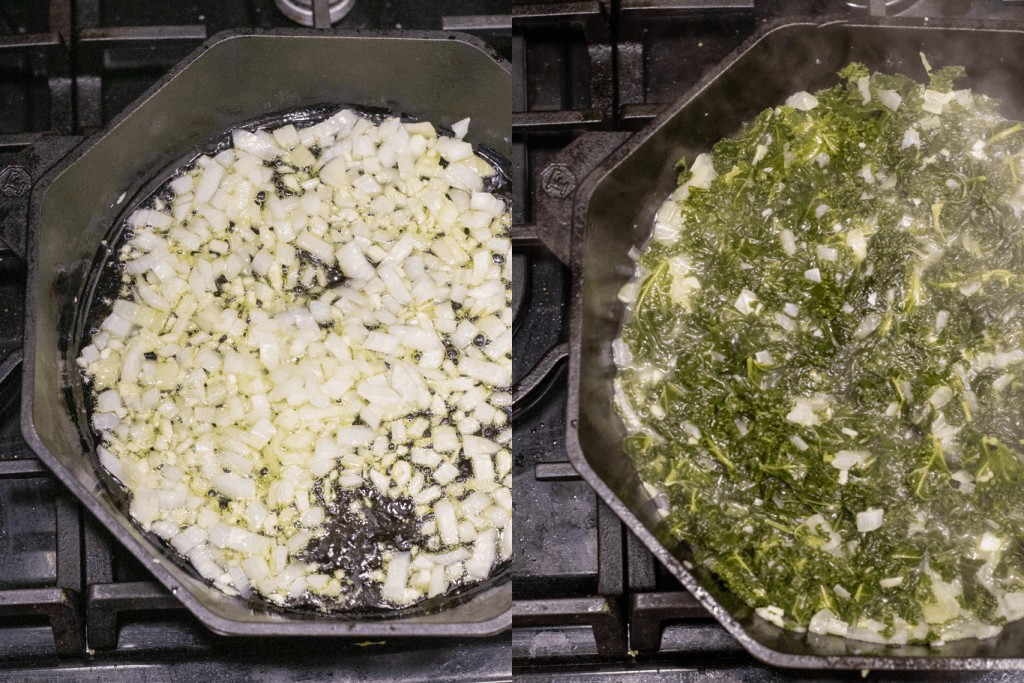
{"points": [[828, 325]]}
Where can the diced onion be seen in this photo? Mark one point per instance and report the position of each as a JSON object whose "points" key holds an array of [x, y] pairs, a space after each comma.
{"points": [[746, 302], [315, 310], [802, 100], [869, 520]]}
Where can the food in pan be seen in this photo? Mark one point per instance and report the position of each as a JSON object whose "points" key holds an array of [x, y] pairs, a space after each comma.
{"points": [[303, 379], [821, 371]]}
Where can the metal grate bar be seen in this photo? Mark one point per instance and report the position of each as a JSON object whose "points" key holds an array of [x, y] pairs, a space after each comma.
{"points": [[599, 613], [58, 69], [648, 613], [631, 73], [58, 605], [555, 471], [19, 469], [69, 543], [15, 142], [525, 236], [139, 35], [640, 566], [481, 22], [610, 576], [548, 12], [639, 5], [519, 83], [536, 121], [105, 601], [640, 112], [29, 41]]}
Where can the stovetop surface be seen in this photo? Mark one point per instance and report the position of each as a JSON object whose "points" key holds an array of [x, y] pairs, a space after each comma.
{"points": [[591, 601], [74, 605]]}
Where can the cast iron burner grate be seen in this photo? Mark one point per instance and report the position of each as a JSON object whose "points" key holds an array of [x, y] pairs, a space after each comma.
{"points": [[591, 602], [73, 604]]}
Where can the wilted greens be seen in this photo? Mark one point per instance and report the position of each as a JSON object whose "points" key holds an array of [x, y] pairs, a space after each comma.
{"points": [[823, 365]]}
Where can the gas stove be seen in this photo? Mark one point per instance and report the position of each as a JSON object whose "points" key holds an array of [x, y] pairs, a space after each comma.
{"points": [[74, 605], [591, 602]]}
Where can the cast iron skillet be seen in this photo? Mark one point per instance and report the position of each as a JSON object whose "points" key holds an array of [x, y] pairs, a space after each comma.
{"points": [[231, 79], [613, 212]]}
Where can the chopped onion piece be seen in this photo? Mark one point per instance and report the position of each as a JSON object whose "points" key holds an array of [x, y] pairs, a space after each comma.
{"points": [[869, 520]]}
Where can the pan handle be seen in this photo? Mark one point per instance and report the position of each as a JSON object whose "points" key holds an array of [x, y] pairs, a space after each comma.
{"points": [[18, 179], [555, 192]]}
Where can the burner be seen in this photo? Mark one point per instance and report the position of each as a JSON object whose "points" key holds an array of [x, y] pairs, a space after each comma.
{"points": [[882, 6], [314, 12]]}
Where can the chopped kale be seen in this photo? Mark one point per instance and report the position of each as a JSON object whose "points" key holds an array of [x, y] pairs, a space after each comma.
{"points": [[829, 320]]}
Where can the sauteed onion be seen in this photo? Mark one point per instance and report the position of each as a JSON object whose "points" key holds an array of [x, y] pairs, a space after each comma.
{"points": [[313, 322]]}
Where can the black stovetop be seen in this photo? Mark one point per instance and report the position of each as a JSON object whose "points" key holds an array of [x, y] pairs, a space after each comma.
{"points": [[591, 603], [74, 606]]}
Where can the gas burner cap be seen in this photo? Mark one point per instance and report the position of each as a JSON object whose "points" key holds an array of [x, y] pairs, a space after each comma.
{"points": [[891, 6], [301, 11]]}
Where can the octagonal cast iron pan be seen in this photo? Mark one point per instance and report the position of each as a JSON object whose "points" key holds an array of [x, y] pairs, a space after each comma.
{"points": [[613, 211], [75, 211]]}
